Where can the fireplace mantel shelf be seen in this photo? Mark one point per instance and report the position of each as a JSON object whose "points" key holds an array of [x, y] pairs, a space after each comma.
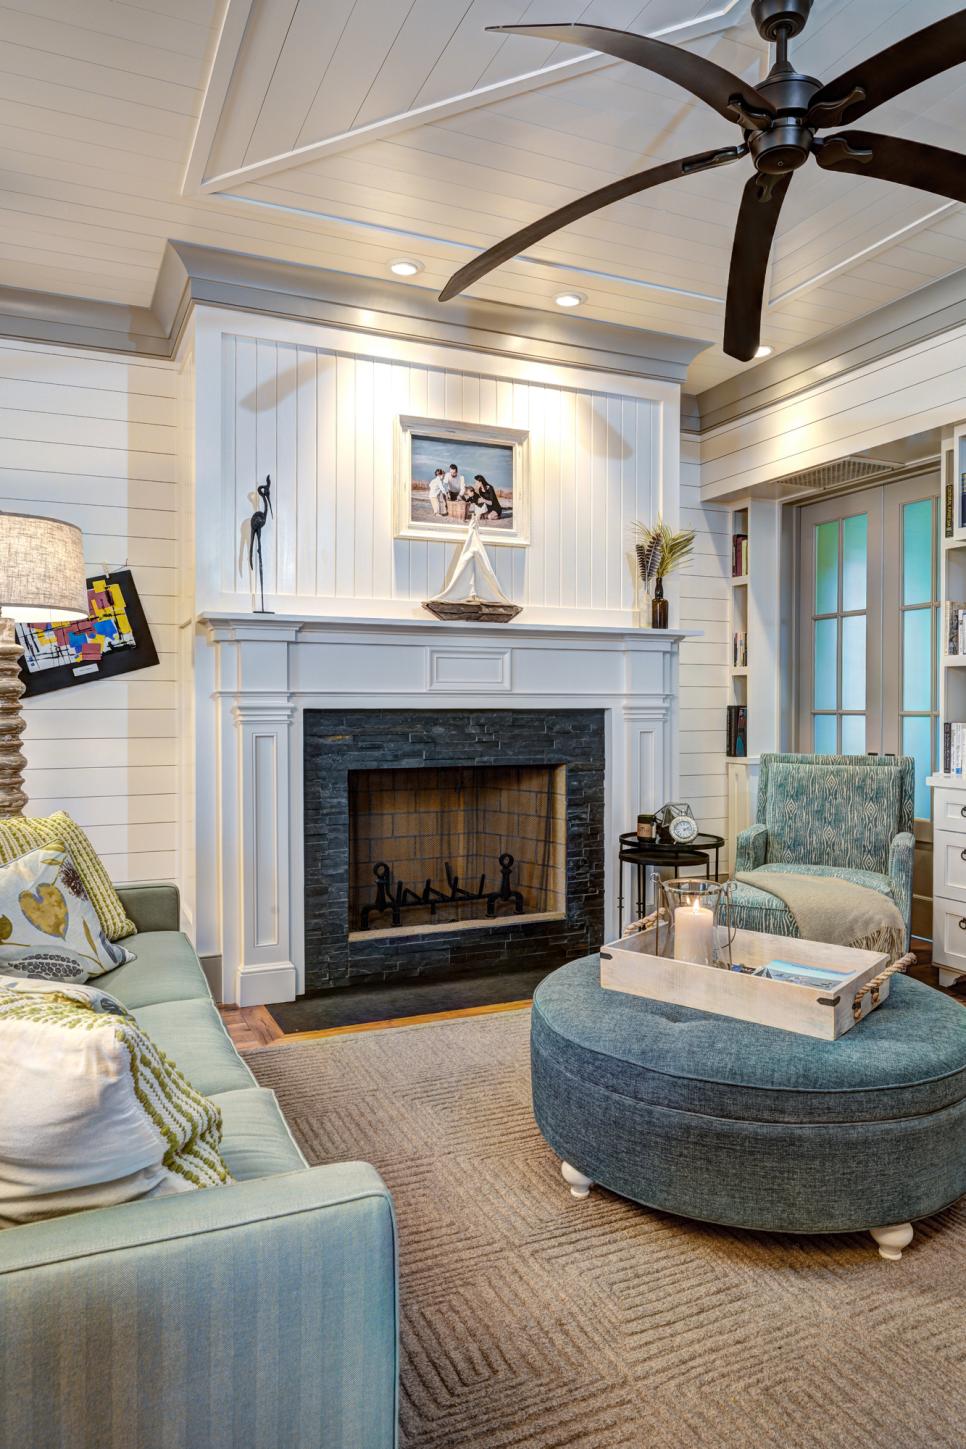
{"points": [[230, 623]]}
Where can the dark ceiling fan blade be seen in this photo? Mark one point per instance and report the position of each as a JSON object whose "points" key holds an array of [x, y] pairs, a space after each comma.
{"points": [[926, 53], [908, 163], [583, 206], [709, 82], [757, 220]]}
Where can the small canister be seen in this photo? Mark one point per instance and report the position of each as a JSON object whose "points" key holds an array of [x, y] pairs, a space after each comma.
{"points": [[645, 827]]}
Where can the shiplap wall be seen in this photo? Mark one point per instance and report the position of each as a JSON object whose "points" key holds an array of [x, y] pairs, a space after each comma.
{"points": [[322, 423], [704, 603], [91, 438]]}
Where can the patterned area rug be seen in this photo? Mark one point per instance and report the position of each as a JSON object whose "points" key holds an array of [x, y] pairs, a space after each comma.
{"points": [[534, 1321]]}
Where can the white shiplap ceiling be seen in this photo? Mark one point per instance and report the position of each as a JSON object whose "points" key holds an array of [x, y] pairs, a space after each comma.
{"points": [[344, 133]]}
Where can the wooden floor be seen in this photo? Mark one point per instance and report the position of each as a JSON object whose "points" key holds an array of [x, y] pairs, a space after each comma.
{"points": [[253, 1026]]}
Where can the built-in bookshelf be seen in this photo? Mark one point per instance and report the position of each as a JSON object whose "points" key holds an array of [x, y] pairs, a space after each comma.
{"points": [[737, 720], [952, 683]]}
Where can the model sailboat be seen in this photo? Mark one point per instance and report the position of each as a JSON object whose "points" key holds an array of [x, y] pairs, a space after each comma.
{"points": [[472, 590]]}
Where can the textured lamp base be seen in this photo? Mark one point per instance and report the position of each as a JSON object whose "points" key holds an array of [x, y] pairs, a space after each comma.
{"points": [[12, 761]]}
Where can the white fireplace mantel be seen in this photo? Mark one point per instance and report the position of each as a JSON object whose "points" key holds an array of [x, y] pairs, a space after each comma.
{"points": [[257, 674]]}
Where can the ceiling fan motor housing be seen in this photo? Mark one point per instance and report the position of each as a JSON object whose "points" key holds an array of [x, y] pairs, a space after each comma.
{"points": [[773, 17]]}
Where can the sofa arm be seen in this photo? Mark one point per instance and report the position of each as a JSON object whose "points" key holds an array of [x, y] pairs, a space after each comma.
{"points": [[260, 1314], [751, 848], [901, 853], [152, 907]]}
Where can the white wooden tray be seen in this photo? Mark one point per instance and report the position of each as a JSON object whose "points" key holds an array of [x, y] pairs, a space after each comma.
{"points": [[628, 965]]}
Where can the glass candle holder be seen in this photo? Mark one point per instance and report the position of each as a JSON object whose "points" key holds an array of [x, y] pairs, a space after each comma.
{"points": [[694, 922]]}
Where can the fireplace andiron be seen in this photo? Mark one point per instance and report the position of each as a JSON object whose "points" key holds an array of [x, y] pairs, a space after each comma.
{"points": [[394, 897]]}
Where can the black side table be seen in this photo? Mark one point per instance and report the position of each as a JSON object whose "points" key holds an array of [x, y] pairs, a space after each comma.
{"points": [[645, 853]]}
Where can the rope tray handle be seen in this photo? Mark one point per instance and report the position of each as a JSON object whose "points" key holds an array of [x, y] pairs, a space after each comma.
{"points": [[873, 986], [634, 927]]}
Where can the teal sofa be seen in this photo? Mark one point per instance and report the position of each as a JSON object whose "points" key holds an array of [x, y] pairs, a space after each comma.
{"points": [[841, 815], [254, 1316]]}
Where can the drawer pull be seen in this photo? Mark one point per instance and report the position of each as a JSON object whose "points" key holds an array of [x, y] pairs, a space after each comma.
{"points": [[962, 923], [962, 811], [962, 855]]}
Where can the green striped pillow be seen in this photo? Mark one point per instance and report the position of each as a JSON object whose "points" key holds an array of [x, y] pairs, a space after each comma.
{"points": [[92, 1112], [19, 833]]}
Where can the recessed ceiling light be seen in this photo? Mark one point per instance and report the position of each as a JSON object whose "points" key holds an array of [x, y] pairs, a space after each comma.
{"points": [[764, 350], [405, 267], [569, 299]]}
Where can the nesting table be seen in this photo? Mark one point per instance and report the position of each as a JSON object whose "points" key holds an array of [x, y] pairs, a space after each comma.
{"points": [[652, 854]]}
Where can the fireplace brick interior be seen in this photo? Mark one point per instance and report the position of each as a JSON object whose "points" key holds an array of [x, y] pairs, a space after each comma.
{"points": [[419, 821]]}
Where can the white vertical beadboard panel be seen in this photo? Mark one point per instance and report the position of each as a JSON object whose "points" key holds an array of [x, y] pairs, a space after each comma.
{"points": [[306, 470], [325, 424], [245, 455], [266, 456], [107, 752], [285, 494], [345, 474], [326, 453], [231, 576], [363, 518]]}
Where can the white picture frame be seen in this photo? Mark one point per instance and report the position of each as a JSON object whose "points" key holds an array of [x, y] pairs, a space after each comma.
{"points": [[474, 448]]}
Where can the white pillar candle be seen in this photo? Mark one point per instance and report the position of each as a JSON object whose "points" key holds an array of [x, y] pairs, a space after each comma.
{"points": [[694, 934]]}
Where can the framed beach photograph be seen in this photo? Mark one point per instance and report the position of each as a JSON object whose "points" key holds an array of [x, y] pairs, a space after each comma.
{"points": [[447, 473]]}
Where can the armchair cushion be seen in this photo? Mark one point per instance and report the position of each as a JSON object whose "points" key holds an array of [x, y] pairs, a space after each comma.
{"points": [[832, 815]]}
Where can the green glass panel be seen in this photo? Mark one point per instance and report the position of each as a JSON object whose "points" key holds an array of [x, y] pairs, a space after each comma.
{"points": [[826, 664], [853, 734], [917, 552], [916, 733], [853, 664], [917, 659], [855, 554], [824, 740], [826, 568]]}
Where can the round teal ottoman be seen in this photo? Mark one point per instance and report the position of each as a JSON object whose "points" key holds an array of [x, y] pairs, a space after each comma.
{"points": [[743, 1125]]}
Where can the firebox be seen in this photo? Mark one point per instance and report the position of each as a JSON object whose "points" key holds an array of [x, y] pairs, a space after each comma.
{"points": [[450, 840], [457, 845]]}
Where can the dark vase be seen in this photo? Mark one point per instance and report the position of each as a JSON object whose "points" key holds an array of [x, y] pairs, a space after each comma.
{"points": [[659, 607]]}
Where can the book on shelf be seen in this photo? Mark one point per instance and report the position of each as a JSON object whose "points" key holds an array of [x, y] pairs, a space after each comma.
{"points": [[739, 555], [739, 649], [962, 500], [954, 748], [737, 731], [955, 627], [948, 509]]}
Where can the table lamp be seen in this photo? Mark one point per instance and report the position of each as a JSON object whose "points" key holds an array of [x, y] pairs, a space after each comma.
{"points": [[42, 577]]}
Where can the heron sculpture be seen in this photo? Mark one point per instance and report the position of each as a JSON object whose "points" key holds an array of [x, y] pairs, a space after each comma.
{"points": [[256, 523]]}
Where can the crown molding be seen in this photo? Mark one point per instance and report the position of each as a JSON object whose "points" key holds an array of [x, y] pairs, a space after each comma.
{"points": [[192, 275]]}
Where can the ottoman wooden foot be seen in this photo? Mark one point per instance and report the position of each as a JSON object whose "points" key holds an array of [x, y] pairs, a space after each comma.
{"points": [[892, 1240], [579, 1184]]}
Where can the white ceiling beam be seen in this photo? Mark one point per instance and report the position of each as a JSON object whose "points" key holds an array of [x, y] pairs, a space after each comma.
{"points": [[196, 182], [224, 59]]}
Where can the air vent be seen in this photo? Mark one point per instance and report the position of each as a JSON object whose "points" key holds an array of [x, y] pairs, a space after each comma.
{"points": [[840, 474]]}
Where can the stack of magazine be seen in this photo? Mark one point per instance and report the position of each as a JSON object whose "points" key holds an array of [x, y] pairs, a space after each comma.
{"points": [[954, 748], [816, 977]]}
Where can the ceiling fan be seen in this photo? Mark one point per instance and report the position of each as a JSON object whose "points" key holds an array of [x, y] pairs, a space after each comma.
{"points": [[779, 119]]}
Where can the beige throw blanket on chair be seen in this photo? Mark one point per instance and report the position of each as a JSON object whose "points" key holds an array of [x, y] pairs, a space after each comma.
{"points": [[827, 908]]}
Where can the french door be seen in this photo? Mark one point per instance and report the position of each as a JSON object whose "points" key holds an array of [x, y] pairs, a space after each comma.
{"points": [[869, 635]]}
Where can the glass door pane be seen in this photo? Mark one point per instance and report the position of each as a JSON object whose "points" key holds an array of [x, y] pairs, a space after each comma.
{"points": [[836, 543]]}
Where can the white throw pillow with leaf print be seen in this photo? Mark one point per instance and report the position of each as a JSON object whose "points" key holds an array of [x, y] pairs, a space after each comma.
{"points": [[48, 926], [92, 1112]]}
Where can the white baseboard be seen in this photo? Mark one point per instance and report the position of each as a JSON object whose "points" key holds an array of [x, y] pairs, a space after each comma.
{"points": [[260, 985]]}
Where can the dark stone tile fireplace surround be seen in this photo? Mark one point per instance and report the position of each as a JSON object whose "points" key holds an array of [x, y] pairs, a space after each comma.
{"points": [[339, 741]]}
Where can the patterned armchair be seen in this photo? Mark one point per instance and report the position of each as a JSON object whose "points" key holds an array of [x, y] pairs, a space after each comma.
{"points": [[841, 815]]}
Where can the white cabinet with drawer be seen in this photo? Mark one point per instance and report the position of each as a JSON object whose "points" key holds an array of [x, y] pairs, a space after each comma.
{"points": [[949, 877], [949, 810]]}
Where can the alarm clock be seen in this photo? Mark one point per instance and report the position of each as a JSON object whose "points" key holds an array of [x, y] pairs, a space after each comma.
{"points": [[676, 823]]}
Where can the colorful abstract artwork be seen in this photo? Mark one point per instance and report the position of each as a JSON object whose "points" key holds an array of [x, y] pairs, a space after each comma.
{"points": [[113, 640]]}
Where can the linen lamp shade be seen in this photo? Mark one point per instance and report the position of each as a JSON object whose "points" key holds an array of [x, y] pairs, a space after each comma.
{"points": [[42, 574]]}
